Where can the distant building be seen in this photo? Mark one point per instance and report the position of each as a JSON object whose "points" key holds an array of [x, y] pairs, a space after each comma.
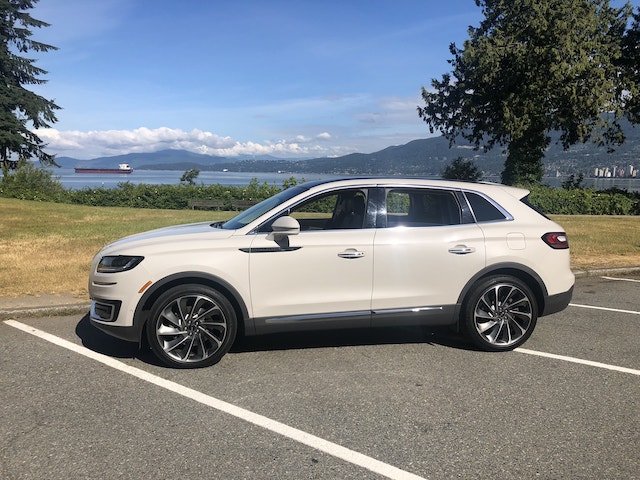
{"points": [[630, 171]]}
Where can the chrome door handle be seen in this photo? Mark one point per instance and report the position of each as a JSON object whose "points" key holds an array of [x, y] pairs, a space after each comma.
{"points": [[461, 250], [351, 253]]}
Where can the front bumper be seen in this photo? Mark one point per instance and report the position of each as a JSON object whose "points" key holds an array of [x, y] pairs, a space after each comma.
{"points": [[104, 313]]}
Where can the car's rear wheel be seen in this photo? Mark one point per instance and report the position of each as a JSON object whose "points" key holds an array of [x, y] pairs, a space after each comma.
{"points": [[500, 313], [191, 326]]}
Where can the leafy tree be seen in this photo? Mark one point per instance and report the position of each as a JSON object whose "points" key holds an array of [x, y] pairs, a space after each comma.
{"points": [[21, 111], [530, 68], [461, 169], [291, 182], [190, 176]]}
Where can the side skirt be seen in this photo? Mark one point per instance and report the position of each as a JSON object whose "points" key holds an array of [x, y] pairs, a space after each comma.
{"points": [[321, 321], [418, 316]]}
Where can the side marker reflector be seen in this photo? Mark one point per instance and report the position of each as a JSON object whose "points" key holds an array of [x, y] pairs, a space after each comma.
{"points": [[145, 286]]}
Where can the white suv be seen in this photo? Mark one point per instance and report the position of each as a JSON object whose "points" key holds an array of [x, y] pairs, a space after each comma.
{"points": [[340, 254]]}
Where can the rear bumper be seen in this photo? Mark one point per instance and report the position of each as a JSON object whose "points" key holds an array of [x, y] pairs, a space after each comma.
{"points": [[557, 303]]}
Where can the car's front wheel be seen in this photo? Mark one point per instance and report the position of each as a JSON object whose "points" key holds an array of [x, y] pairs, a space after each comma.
{"points": [[500, 313], [191, 326]]}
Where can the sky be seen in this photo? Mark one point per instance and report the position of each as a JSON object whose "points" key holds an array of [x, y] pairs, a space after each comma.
{"points": [[287, 78]]}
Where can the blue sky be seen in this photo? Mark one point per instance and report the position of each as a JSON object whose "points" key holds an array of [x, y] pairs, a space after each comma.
{"points": [[289, 78]]}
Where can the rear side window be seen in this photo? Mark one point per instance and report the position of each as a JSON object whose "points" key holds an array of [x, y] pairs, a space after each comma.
{"points": [[483, 209], [422, 208]]}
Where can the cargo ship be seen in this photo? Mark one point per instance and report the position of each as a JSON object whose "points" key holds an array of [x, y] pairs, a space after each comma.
{"points": [[122, 168]]}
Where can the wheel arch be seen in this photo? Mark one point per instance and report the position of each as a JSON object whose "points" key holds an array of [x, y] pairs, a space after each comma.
{"points": [[521, 272], [145, 304]]}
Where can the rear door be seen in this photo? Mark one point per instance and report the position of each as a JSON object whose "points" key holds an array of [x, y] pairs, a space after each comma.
{"points": [[424, 252]]}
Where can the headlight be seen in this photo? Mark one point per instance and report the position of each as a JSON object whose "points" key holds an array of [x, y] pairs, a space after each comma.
{"points": [[119, 263]]}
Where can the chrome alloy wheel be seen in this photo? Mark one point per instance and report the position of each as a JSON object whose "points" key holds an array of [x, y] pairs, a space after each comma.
{"points": [[191, 328], [503, 315]]}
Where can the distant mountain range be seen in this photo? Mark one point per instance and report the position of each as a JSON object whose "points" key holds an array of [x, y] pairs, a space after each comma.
{"points": [[424, 157]]}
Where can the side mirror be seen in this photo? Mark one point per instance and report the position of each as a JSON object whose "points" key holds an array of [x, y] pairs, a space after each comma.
{"points": [[283, 227]]}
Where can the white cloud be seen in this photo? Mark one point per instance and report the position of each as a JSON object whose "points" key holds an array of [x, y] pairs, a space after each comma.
{"points": [[339, 127], [97, 143]]}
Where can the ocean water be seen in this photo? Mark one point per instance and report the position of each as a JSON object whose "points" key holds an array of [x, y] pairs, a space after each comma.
{"points": [[77, 181]]}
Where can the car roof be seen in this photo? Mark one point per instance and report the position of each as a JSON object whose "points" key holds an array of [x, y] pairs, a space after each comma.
{"points": [[487, 188]]}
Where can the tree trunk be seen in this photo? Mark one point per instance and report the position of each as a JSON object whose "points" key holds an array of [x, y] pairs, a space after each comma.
{"points": [[523, 165]]}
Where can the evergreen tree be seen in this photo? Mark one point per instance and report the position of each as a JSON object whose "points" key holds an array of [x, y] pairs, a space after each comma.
{"points": [[461, 169], [530, 68], [630, 64], [21, 111]]}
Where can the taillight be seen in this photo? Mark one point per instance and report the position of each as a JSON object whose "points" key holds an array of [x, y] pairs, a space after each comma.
{"points": [[557, 240]]}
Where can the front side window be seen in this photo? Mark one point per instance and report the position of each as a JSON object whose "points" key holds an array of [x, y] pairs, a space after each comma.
{"points": [[422, 208], [343, 209], [248, 216]]}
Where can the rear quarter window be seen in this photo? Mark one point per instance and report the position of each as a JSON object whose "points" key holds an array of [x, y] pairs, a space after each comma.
{"points": [[526, 201], [483, 209]]}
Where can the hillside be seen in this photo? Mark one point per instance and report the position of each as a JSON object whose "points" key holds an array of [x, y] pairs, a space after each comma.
{"points": [[425, 157]]}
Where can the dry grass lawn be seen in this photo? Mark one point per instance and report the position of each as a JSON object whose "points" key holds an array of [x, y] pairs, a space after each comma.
{"points": [[602, 241], [47, 248]]}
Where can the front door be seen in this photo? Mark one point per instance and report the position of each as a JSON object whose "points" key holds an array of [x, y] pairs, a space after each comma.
{"points": [[325, 270]]}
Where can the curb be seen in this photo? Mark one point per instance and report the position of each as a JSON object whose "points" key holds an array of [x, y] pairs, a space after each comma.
{"points": [[605, 271], [44, 311]]}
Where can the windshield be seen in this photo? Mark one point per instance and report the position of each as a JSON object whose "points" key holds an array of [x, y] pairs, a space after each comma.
{"points": [[263, 207]]}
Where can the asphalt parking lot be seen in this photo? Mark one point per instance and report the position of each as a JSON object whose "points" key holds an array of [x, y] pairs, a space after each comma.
{"points": [[402, 404]]}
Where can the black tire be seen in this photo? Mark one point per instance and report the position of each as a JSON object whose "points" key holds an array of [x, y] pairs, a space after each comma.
{"points": [[191, 326], [500, 313]]}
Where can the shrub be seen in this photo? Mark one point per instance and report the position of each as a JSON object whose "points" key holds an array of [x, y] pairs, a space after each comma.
{"points": [[587, 201], [29, 182], [172, 197]]}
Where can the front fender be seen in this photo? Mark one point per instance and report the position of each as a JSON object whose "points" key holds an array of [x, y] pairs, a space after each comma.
{"points": [[146, 301]]}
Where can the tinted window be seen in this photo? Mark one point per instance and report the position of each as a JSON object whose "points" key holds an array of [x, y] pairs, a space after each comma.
{"points": [[525, 200], [336, 210], [263, 207], [484, 210], [343, 209], [422, 208]]}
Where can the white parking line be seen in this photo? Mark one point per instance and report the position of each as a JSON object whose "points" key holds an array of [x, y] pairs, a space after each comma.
{"points": [[622, 279], [592, 307], [578, 360], [300, 436]]}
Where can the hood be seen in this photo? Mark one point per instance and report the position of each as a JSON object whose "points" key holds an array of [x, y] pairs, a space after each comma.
{"points": [[176, 235]]}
